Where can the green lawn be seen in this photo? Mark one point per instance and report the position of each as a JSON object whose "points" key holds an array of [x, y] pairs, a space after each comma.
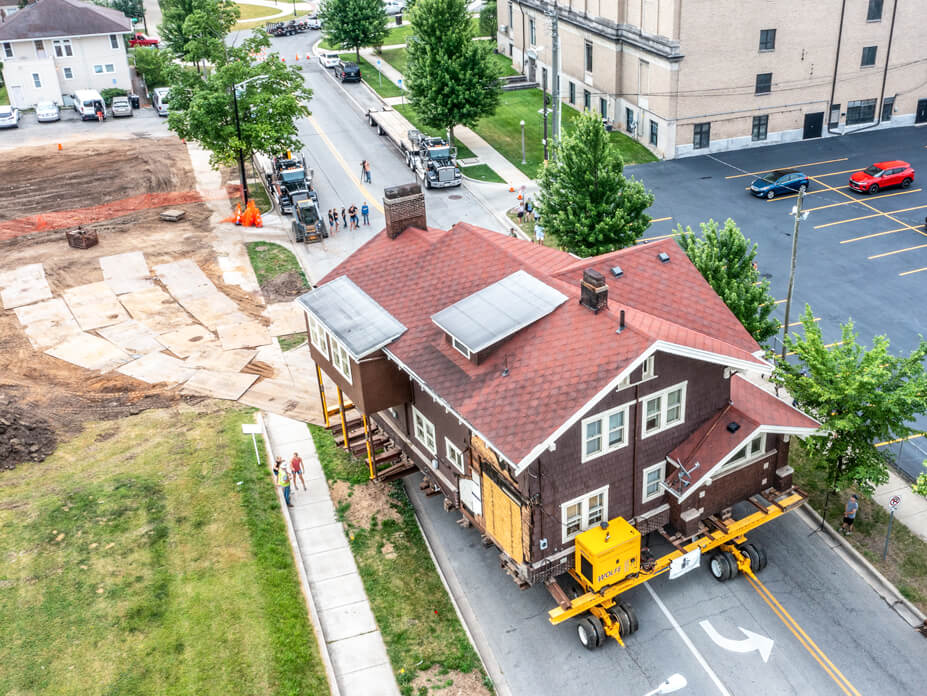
{"points": [[411, 606], [148, 555], [482, 172], [270, 260], [503, 63], [258, 15], [379, 84], [463, 151], [4, 99], [292, 341], [396, 35], [397, 57]]}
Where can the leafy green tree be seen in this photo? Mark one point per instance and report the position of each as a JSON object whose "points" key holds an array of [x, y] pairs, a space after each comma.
{"points": [[585, 200], [920, 486], [727, 261], [207, 27], [451, 78], [133, 9], [489, 21], [153, 65], [859, 396], [202, 106], [354, 23], [173, 15]]}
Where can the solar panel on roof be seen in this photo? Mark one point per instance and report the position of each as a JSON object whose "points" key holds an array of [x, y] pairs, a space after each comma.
{"points": [[498, 310], [352, 316]]}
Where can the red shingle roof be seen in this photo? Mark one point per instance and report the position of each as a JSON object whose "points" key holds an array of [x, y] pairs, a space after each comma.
{"points": [[559, 363]]}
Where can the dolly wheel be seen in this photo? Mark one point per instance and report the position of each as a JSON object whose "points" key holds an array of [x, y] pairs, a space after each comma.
{"points": [[719, 567], [749, 550], [620, 615], [763, 560], [732, 563], [632, 615], [586, 631]]}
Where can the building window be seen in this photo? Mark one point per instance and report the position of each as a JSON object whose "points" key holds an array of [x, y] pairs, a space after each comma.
{"points": [[862, 111], [424, 430], [647, 370], [113, 41], [869, 56], [531, 35], [587, 99], [454, 455], [888, 106], [316, 331], [760, 124], [63, 48], [68, 73], [875, 11], [652, 480], [110, 67], [588, 56], [753, 449], [572, 92], [39, 48], [701, 135], [654, 131], [763, 83], [664, 409], [511, 15], [341, 359], [7, 49], [605, 432], [584, 512], [767, 39], [603, 107], [834, 119], [98, 69], [629, 119], [460, 347], [36, 80]]}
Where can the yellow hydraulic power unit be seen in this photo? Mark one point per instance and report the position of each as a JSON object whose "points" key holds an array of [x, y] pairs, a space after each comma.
{"points": [[608, 553]]}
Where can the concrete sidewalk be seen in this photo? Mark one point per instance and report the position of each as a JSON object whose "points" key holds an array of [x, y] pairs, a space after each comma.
{"points": [[912, 512], [349, 631]]}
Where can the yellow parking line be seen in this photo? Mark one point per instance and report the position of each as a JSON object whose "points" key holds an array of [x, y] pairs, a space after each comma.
{"points": [[792, 195], [870, 236], [870, 198], [842, 171], [900, 439], [916, 270], [878, 213], [344, 165], [664, 219], [875, 210], [898, 251], [793, 166], [798, 323]]}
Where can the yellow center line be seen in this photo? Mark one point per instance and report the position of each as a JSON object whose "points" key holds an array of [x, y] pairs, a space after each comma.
{"points": [[900, 439], [662, 236], [828, 345], [878, 213], [344, 165], [876, 234], [664, 219], [897, 251], [916, 270], [794, 166], [871, 198], [835, 674]]}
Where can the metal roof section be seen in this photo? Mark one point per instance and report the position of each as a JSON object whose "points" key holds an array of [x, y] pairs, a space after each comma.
{"points": [[498, 310], [352, 316]]}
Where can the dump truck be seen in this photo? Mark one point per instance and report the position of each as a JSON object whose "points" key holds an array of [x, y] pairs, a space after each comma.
{"points": [[308, 225], [610, 559], [432, 159], [288, 179]]}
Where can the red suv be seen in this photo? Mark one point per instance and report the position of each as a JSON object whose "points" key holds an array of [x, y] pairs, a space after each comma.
{"points": [[882, 175]]}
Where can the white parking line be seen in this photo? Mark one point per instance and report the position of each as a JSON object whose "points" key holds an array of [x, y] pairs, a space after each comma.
{"points": [[685, 639]]}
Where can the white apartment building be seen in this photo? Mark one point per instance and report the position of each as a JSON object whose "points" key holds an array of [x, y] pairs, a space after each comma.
{"points": [[689, 77]]}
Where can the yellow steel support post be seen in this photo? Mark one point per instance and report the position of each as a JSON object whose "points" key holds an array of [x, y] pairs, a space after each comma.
{"points": [[373, 474], [344, 425], [322, 396]]}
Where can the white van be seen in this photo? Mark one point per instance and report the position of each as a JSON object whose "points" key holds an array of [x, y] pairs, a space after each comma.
{"points": [[87, 102], [159, 100]]}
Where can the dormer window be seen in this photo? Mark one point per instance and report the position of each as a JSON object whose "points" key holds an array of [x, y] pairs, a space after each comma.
{"points": [[460, 347]]}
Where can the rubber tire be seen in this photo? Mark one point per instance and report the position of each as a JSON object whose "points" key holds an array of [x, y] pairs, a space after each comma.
{"points": [[906, 182], [599, 630], [731, 562], [803, 188], [369, 120], [620, 616], [749, 550], [586, 631], [635, 624], [719, 567], [762, 554], [427, 182], [379, 129], [873, 189], [770, 195]]}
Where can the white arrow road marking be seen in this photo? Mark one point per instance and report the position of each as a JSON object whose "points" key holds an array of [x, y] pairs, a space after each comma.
{"points": [[753, 641]]}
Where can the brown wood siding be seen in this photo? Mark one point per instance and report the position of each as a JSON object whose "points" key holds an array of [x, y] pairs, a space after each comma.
{"points": [[376, 382], [446, 425]]}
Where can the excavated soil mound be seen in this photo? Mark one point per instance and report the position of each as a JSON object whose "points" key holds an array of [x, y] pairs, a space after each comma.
{"points": [[23, 436], [284, 287]]}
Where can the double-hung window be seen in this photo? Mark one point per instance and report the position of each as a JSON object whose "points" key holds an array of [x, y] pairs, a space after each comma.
{"points": [[424, 431], [767, 39], [584, 512], [588, 56], [318, 336], [113, 41], [341, 359], [454, 455], [763, 83], [7, 49], [63, 48], [531, 33], [652, 482], [760, 127], [572, 92], [605, 432], [664, 409], [869, 56], [874, 13]]}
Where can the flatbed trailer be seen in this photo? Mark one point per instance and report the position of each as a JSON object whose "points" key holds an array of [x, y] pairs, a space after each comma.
{"points": [[610, 560], [431, 159]]}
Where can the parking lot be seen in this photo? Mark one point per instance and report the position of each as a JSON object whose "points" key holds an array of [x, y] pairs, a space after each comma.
{"points": [[859, 256], [143, 123]]}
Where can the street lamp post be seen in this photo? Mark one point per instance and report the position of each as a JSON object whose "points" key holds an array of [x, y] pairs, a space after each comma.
{"points": [[523, 142]]}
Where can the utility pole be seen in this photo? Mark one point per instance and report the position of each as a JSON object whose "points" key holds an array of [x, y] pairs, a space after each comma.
{"points": [[241, 154], [555, 69], [799, 216]]}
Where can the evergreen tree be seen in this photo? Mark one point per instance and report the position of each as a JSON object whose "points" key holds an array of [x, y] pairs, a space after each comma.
{"points": [[585, 201], [354, 23], [726, 259]]}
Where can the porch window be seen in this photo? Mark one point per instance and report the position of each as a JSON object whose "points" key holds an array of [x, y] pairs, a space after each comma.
{"points": [[605, 432], [664, 409], [584, 512], [341, 359], [751, 450], [653, 477], [317, 336], [454, 455], [424, 430]]}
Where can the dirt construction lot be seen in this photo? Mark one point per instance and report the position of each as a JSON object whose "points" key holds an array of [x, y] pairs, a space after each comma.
{"points": [[52, 396]]}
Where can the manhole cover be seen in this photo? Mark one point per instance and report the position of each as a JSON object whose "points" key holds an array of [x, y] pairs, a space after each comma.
{"points": [[455, 196]]}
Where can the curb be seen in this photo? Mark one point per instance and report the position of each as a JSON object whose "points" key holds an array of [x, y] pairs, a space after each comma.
{"points": [[913, 616], [301, 570]]}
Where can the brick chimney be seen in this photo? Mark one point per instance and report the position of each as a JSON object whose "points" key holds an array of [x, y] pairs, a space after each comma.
{"points": [[404, 207], [593, 290]]}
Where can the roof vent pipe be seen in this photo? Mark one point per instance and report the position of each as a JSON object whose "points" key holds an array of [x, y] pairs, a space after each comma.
{"points": [[620, 321]]}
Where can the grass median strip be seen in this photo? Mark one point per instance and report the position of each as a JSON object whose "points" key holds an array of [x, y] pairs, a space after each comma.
{"points": [[148, 555], [482, 172], [424, 638]]}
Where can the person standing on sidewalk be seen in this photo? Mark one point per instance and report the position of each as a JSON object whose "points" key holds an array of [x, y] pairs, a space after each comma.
{"points": [[344, 215], [296, 465], [849, 515], [283, 480], [367, 171], [365, 211]]}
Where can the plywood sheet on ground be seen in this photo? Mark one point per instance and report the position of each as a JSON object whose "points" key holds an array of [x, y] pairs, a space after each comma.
{"points": [[187, 340], [193, 289], [213, 309], [47, 323], [126, 272], [23, 286], [214, 358], [90, 352], [221, 385], [245, 334], [132, 336], [94, 305], [156, 368], [285, 318], [155, 309], [282, 398], [302, 372]]}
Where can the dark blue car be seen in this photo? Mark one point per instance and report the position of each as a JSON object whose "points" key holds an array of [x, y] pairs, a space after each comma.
{"points": [[779, 183]]}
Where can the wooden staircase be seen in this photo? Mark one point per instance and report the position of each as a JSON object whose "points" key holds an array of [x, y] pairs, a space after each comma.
{"points": [[389, 461]]}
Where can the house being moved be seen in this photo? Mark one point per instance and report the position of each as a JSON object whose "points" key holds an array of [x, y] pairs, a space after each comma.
{"points": [[541, 393]]}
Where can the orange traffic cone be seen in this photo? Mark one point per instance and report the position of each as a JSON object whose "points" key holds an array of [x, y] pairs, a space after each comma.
{"points": [[511, 189], [258, 222], [238, 213], [297, 57], [59, 147], [519, 196]]}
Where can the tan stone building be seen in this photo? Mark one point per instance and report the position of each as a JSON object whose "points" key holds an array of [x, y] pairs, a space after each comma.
{"points": [[695, 76]]}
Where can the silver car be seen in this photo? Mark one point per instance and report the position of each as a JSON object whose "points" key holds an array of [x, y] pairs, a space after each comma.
{"points": [[46, 112], [121, 107], [9, 116]]}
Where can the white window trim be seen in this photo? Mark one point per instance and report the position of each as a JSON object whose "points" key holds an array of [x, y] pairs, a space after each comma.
{"points": [[584, 512], [339, 354], [661, 467], [454, 455], [114, 42], [318, 335], [460, 348], [64, 71], [97, 72], [427, 427], [647, 371], [663, 408], [109, 67], [603, 417], [732, 465], [67, 48], [8, 51]]}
